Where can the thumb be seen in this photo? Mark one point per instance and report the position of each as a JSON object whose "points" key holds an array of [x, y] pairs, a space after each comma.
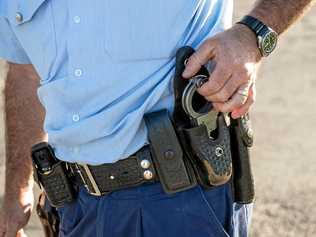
{"points": [[201, 57]]}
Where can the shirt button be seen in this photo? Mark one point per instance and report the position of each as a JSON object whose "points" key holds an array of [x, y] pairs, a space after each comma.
{"points": [[19, 17], [78, 72], [77, 19], [75, 118]]}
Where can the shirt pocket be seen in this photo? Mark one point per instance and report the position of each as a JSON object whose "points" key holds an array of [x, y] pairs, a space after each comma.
{"points": [[33, 24], [150, 29]]}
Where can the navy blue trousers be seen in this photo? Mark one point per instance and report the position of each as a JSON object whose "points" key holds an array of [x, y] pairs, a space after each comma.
{"points": [[146, 211]]}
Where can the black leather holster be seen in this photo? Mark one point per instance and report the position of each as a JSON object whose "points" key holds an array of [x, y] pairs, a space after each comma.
{"points": [[232, 137]]}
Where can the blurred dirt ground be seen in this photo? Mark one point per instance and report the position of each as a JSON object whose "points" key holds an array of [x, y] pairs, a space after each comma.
{"points": [[284, 120]]}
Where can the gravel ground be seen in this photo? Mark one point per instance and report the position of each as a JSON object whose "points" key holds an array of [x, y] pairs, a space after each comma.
{"points": [[284, 120]]}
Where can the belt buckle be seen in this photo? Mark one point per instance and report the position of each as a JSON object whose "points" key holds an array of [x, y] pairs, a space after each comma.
{"points": [[96, 191]]}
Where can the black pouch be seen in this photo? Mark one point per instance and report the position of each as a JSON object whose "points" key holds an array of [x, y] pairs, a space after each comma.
{"points": [[57, 186], [51, 175], [175, 172], [242, 140], [211, 157]]}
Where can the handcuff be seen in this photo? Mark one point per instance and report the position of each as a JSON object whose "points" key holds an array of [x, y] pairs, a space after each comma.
{"points": [[197, 107]]}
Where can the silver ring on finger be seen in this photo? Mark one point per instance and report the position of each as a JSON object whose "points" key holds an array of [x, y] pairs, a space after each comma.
{"points": [[244, 93]]}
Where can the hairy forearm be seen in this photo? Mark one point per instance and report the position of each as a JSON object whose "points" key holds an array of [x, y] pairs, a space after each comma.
{"points": [[280, 14], [23, 121]]}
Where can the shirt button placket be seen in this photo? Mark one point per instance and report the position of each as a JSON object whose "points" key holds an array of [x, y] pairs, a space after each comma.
{"points": [[76, 64], [77, 20]]}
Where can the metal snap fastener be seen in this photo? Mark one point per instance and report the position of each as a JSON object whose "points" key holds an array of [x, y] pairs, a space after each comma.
{"points": [[219, 151], [19, 17], [112, 177], [249, 132], [148, 175], [145, 164], [169, 154]]}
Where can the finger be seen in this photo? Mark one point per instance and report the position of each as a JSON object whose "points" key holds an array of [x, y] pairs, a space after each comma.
{"points": [[21, 233], [237, 100], [216, 82], [237, 113], [227, 90], [228, 83], [203, 54], [216, 106]]}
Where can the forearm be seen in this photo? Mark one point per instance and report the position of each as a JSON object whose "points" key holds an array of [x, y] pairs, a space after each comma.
{"points": [[280, 14], [23, 122]]}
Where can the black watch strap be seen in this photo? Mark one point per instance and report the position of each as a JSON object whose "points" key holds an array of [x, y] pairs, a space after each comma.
{"points": [[266, 37], [254, 24]]}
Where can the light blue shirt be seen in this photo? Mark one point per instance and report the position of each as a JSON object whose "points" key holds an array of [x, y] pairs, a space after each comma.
{"points": [[104, 64]]}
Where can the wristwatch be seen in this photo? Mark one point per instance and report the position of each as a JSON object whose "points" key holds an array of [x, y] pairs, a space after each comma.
{"points": [[267, 38]]}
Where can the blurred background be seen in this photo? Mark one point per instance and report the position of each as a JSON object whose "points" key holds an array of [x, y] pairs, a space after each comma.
{"points": [[284, 119]]}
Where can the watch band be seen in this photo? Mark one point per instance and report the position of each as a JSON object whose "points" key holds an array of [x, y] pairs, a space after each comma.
{"points": [[266, 37], [254, 24]]}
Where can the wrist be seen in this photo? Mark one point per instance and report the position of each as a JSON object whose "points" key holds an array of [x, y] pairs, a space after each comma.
{"points": [[20, 194], [267, 38], [249, 40]]}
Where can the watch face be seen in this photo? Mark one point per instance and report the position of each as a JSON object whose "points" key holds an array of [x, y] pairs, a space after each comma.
{"points": [[269, 42]]}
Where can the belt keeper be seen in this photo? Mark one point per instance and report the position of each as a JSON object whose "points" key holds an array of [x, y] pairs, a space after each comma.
{"points": [[96, 191]]}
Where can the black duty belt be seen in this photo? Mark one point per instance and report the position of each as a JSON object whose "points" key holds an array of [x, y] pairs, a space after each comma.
{"points": [[130, 172]]}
